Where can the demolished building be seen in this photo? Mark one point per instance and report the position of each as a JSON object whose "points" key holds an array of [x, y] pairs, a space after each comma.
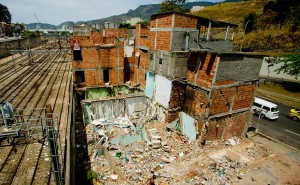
{"points": [[180, 70]]}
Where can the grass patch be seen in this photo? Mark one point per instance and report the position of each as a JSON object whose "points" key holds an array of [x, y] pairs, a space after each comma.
{"points": [[287, 93]]}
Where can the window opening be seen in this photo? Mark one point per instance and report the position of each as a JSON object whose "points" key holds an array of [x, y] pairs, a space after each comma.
{"points": [[79, 76], [106, 75]]}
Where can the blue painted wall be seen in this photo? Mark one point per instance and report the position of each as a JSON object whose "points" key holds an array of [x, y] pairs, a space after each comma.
{"points": [[150, 84]]}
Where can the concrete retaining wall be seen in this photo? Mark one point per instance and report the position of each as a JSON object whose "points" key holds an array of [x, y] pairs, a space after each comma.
{"points": [[16, 44]]}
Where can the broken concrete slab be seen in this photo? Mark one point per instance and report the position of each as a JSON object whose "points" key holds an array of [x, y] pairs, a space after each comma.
{"points": [[232, 155], [188, 127], [232, 142]]}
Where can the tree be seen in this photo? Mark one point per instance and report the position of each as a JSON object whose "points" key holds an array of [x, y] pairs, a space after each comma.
{"points": [[144, 23], [251, 17], [5, 15], [283, 11], [19, 28], [291, 65], [173, 6], [126, 25]]}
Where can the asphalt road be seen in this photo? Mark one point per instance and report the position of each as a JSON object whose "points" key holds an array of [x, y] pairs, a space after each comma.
{"points": [[283, 129]]}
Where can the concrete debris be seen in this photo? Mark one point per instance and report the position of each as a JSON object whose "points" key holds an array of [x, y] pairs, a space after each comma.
{"points": [[155, 138], [232, 142], [171, 156], [114, 177]]}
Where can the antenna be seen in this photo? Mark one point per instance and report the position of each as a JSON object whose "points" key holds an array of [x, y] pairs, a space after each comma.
{"points": [[37, 18]]}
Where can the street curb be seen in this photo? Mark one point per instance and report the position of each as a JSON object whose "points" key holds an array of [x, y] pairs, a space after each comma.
{"points": [[275, 140]]}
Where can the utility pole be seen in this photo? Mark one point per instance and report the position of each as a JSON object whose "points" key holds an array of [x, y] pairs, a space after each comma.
{"points": [[244, 34]]}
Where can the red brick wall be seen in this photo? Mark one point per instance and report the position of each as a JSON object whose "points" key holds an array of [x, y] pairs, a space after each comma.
{"points": [[221, 100], [244, 96], [113, 32], [226, 82], [89, 59], [152, 40], [97, 37], [215, 129], [116, 56], [182, 21], [139, 75], [163, 40], [196, 102], [83, 41], [164, 21], [235, 125], [105, 58], [227, 126], [142, 36], [113, 76], [141, 66], [92, 78], [204, 72]]}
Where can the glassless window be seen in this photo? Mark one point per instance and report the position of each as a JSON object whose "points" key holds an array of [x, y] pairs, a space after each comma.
{"points": [[266, 108], [256, 104]]}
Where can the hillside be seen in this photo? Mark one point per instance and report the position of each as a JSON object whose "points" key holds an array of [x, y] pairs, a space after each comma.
{"points": [[68, 24], [40, 26], [273, 38], [143, 11]]}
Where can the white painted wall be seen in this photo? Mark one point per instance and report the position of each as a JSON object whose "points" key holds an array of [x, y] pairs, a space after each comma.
{"points": [[264, 72], [162, 90]]}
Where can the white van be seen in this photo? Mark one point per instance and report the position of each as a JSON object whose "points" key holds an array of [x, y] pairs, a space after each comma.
{"points": [[265, 108]]}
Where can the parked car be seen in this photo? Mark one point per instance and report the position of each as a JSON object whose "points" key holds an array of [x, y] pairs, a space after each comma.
{"points": [[294, 114], [265, 108]]}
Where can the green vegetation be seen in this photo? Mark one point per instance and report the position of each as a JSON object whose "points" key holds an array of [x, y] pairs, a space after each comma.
{"points": [[282, 12], [5, 15], [32, 34], [126, 25], [144, 24], [250, 21], [291, 65], [19, 28], [173, 5], [92, 175]]}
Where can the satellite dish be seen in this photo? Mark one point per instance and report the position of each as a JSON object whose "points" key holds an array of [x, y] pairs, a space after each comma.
{"points": [[137, 54]]}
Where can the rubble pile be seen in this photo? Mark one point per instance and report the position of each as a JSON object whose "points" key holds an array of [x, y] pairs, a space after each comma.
{"points": [[174, 159]]}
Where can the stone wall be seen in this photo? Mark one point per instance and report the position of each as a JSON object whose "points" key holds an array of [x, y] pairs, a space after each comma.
{"points": [[18, 44]]}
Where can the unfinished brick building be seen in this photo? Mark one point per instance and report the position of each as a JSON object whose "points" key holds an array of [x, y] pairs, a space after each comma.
{"points": [[182, 64]]}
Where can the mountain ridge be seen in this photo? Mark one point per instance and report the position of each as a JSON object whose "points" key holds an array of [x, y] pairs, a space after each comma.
{"points": [[142, 11]]}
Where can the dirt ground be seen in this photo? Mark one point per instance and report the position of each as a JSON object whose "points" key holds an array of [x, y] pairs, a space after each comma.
{"points": [[281, 167]]}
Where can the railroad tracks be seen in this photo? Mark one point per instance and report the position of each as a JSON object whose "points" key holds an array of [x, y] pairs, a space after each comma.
{"points": [[28, 85]]}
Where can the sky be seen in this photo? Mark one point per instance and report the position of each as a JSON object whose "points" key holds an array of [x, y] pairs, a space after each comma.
{"points": [[58, 11]]}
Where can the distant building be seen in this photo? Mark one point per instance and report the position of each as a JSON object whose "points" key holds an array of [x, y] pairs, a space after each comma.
{"points": [[64, 27], [83, 29], [196, 8], [133, 21]]}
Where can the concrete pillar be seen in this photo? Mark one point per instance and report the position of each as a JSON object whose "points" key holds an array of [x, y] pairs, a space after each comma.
{"points": [[208, 31], [187, 40], [227, 32]]}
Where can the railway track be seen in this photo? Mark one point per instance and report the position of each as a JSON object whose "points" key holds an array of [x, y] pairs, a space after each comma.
{"points": [[13, 89], [33, 89]]}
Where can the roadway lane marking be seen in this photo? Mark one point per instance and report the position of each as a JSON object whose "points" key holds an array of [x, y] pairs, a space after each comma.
{"points": [[292, 132]]}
